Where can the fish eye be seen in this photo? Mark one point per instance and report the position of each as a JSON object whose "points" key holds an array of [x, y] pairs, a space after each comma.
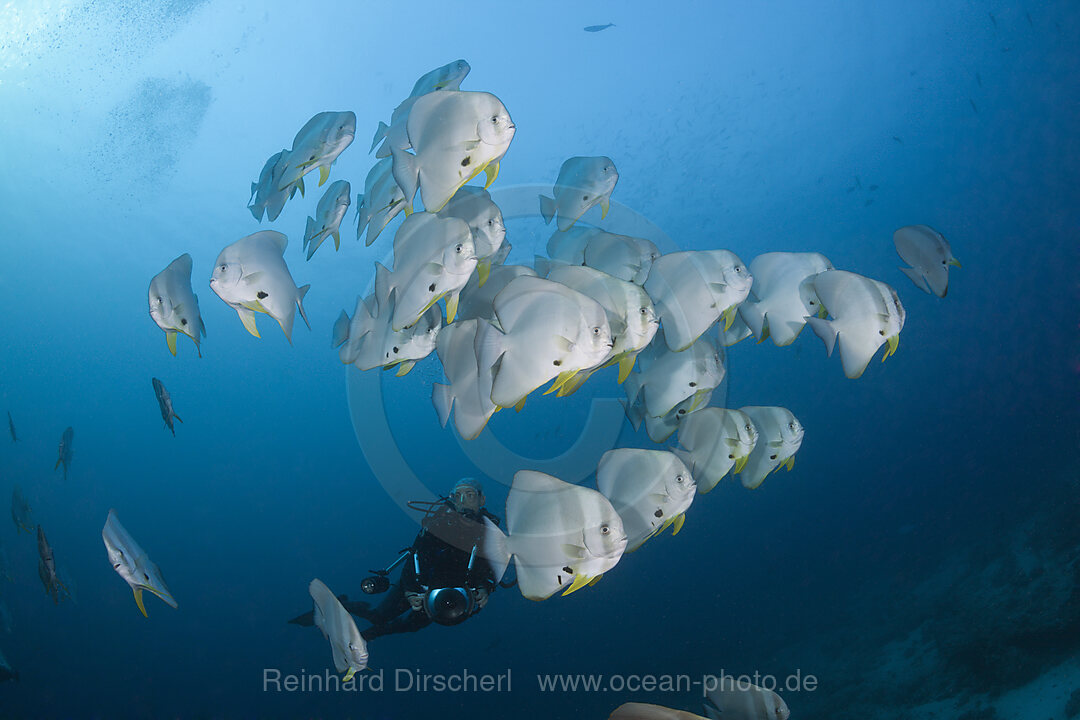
{"points": [[605, 530], [747, 427], [680, 479], [494, 119], [596, 331], [458, 249], [791, 425]]}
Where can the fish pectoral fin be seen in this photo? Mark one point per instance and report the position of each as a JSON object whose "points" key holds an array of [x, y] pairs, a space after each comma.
{"points": [[483, 269], [789, 463], [324, 173], [605, 205], [955, 263], [580, 581], [740, 463], [252, 277], [626, 364], [170, 340], [575, 552], [596, 579], [349, 674], [520, 404], [139, 601], [177, 418], [405, 367]]}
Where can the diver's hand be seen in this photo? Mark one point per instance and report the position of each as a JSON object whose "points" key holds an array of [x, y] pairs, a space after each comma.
{"points": [[481, 597]]}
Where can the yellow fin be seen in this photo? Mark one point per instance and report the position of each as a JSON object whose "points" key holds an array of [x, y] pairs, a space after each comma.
{"points": [[408, 210], [138, 601], [729, 317], [740, 463], [249, 323], [170, 340], [483, 269], [337, 239], [349, 674], [605, 205], [451, 307], [893, 342], [492, 172], [405, 367], [324, 173], [561, 380], [596, 579], [679, 520], [789, 463], [955, 263], [626, 364], [520, 404], [698, 397], [580, 581], [433, 300]]}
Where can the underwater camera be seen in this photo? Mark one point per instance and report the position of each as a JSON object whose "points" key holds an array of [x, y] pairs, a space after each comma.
{"points": [[375, 584], [448, 606]]}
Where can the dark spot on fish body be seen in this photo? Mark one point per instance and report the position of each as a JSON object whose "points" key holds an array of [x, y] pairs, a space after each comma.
{"points": [[395, 350], [772, 457], [262, 295], [557, 363], [465, 161], [730, 456], [431, 287], [183, 321], [659, 513], [568, 570]]}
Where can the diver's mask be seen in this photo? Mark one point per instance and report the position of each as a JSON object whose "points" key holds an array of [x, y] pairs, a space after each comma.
{"points": [[449, 606]]}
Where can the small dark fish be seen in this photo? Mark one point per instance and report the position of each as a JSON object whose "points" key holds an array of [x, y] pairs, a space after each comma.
{"points": [[598, 28], [873, 188], [992, 19], [978, 79], [65, 451], [973, 106], [894, 137], [165, 404], [47, 568], [11, 427]]}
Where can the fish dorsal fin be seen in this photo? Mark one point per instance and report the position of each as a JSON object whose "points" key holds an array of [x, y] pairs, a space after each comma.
{"points": [[182, 265]]}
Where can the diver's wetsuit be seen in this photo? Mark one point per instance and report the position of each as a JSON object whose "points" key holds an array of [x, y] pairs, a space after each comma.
{"points": [[441, 551]]}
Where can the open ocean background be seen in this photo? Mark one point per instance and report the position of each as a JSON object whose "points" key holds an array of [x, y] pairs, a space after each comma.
{"points": [[923, 555]]}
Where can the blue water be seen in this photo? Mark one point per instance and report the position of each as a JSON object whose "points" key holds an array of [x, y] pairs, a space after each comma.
{"points": [[130, 133]]}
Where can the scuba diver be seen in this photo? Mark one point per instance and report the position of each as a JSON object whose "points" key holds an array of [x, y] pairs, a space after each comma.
{"points": [[444, 576]]}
